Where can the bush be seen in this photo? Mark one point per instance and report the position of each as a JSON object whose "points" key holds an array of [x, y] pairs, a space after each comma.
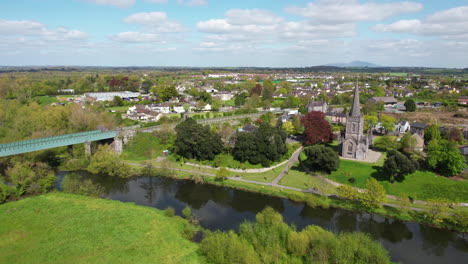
{"points": [[170, 212], [187, 213], [5, 191]]}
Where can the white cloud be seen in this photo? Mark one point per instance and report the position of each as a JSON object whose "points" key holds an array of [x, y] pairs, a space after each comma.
{"points": [[451, 23], [251, 16], [348, 11], [116, 3], [137, 37], [157, 1], [38, 30], [399, 26], [155, 22], [263, 27], [192, 2]]}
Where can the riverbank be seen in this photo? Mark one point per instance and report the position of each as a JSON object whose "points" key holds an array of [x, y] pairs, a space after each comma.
{"points": [[66, 228], [314, 197]]}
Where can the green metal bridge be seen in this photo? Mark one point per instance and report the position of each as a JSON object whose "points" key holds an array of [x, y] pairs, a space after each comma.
{"points": [[54, 142]]}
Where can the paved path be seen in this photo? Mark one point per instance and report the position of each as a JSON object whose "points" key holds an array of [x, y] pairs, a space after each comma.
{"points": [[291, 161]]}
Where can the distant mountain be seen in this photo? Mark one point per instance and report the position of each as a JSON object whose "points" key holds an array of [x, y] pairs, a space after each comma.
{"points": [[355, 64]]}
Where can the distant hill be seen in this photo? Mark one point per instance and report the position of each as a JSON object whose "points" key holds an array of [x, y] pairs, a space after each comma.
{"points": [[355, 64]]}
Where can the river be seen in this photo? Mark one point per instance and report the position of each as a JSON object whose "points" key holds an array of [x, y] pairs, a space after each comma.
{"points": [[225, 208]]}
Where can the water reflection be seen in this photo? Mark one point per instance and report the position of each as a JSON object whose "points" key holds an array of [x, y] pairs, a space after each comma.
{"points": [[225, 208]]}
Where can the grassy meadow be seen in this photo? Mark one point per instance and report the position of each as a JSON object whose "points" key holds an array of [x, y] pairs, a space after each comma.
{"points": [[66, 228]]}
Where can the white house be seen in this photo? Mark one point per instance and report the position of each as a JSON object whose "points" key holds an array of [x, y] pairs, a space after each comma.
{"points": [[162, 108], [402, 127]]}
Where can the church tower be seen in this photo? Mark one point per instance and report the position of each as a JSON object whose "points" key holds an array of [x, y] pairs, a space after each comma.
{"points": [[355, 143]]}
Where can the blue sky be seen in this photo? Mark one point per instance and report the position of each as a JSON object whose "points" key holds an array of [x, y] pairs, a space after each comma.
{"points": [[274, 33]]}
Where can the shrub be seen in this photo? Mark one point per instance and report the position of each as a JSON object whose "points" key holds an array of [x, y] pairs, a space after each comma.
{"points": [[187, 213], [170, 212]]}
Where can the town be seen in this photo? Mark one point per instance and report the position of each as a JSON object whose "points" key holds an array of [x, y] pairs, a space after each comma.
{"points": [[249, 132]]}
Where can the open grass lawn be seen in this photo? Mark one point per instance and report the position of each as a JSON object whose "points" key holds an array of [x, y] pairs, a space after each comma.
{"points": [[121, 109], [142, 147], [298, 178], [422, 185], [266, 176], [46, 100], [65, 228]]}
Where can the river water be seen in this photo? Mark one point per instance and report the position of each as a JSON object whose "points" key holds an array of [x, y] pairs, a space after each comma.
{"points": [[225, 208]]}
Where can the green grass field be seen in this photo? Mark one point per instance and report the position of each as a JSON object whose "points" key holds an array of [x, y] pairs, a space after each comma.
{"points": [[65, 228], [421, 185], [46, 100], [298, 178]]}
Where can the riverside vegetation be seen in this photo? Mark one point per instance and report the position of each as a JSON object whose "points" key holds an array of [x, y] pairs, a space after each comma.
{"points": [[57, 227]]}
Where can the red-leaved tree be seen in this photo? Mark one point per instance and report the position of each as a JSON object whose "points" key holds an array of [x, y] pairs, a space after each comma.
{"points": [[316, 128]]}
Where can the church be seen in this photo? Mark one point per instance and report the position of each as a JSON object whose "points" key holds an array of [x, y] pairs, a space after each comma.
{"points": [[354, 143]]}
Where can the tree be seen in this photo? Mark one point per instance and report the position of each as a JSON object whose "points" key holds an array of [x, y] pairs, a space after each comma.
{"points": [[298, 127], [375, 194], [370, 121], [436, 207], [146, 86], [456, 135], [256, 90], [222, 174], [386, 143], [205, 97], [268, 90], [348, 192], [407, 142], [410, 105], [263, 145], [166, 93], [320, 157], [239, 99], [388, 123], [194, 141], [107, 161], [117, 101], [316, 128], [397, 165], [289, 128], [444, 157], [431, 132]]}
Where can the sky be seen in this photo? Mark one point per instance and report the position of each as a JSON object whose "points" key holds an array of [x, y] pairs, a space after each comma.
{"points": [[240, 33]]}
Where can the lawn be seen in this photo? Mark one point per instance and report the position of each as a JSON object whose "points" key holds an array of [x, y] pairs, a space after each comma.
{"points": [[142, 147], [66, 228], [121, 109], [421, 185], [46, 100], [298, 178]]}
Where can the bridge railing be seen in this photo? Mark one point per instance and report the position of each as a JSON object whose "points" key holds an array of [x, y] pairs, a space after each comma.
{"points": [[52, 142]]}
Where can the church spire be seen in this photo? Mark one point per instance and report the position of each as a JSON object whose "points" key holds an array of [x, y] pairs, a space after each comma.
{"points": [[356, 109]]}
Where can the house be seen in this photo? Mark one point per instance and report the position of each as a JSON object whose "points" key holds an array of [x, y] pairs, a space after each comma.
{"points": [[418, 128], [162, 108], [387, 101], [180, 109], [419, 146], [283, 118], [464, 152], [463, 100], [317, 106], [336, 117], [402, 127], [225, 96]]}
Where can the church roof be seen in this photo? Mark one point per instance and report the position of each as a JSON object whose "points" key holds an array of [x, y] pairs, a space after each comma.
{"points": [[356, 110]]}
